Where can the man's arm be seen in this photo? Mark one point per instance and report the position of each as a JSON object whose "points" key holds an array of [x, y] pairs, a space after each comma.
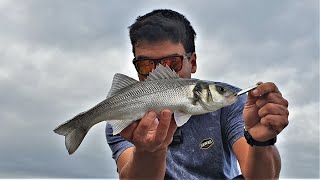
{"points": [[142, 165], [257, 162], [147, 160]]}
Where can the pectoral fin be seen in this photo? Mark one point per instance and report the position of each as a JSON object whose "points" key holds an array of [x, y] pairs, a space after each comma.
{"points": [[181, 118]]}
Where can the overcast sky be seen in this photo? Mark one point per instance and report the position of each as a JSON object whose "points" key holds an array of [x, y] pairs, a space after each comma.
{"points": [[57, 58]]}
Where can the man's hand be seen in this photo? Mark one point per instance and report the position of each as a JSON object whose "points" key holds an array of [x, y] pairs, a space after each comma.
{"points": [[266, 112], [150, 134]]}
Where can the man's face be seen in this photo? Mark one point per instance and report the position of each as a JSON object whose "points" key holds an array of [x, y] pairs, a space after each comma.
{"points": [[163, 49]]}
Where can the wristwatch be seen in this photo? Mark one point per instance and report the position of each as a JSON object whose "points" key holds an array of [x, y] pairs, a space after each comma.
{"points": [[253, 142]]}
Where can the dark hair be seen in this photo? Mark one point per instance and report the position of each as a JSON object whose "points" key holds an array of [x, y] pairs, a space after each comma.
{"points": [[160, 25]]}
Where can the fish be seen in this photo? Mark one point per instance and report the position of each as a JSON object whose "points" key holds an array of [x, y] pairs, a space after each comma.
{"points": [[129, 100]]}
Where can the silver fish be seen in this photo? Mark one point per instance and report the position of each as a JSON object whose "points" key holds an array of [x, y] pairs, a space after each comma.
{"points": [[129, 99]]}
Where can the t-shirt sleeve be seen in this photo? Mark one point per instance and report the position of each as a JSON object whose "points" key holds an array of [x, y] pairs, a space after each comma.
{"points": [[116, 143], [233, 123]]}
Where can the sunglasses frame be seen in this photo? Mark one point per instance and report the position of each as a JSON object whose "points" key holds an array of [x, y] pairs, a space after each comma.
{"points": [[158, 60]]}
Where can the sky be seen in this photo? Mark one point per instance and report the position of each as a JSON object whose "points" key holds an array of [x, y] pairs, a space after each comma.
{"points": [[57, 58]]}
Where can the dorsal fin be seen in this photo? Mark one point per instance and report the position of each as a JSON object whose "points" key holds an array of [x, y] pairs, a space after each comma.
{"points": [[162, 72], [120, 81]]}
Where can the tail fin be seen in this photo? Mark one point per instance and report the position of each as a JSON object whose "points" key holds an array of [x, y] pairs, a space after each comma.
{"points": [[74, 133]]}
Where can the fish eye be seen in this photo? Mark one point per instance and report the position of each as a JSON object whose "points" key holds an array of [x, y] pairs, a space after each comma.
{"points": [[221, 89]]}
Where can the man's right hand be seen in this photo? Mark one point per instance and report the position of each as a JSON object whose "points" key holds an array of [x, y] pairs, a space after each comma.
{"points": [[150, 134]]}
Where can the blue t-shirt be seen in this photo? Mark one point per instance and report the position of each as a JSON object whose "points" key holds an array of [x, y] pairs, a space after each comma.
{"points": [[206, 148]]}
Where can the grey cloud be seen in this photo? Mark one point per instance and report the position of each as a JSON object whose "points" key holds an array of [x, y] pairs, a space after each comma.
{"points": [[31, 149], [58, 58], [238, 22], [305, 155], [69, 25], [299, 143], [53, 162]]}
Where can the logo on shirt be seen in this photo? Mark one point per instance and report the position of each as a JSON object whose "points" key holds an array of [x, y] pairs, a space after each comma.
{"points": [[206, 143]]}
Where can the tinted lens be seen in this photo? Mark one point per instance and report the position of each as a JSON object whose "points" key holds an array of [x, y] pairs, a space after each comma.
{"points": [[144, 66], [174, 63]]}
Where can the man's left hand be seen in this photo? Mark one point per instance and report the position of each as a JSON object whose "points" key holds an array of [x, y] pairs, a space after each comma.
{"points": [[266, 112]]}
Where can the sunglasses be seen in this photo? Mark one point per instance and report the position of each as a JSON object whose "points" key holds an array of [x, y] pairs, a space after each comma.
{"points": [[145, 65]]}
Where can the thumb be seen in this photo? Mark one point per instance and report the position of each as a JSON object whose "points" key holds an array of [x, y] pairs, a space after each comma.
{"points": [[250, 113], [253, 96], [251, 100]]}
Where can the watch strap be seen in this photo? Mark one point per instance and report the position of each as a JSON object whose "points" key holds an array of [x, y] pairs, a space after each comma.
{"points": [[253, 142]]}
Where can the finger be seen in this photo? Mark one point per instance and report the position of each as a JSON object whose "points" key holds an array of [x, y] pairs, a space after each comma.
{"points": [[274, 109], [163, 126], [276, 122], [154, 125], [251, 100], [265, 88], [128, 131], [172, 129], [271, 98], [144, 125]]}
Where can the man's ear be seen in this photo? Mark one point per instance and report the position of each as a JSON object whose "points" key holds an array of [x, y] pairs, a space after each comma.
{"points": [[193, 62]]}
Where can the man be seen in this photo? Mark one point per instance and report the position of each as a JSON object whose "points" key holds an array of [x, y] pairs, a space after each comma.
{"points": [[211, 144]]}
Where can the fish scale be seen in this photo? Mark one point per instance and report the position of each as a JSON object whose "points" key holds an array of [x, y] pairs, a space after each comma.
{"points": [[138, 90], [163, 99]]}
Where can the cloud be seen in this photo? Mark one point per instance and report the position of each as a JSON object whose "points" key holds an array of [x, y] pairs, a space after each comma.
{"points": [[71, 25], [299, 145], [58, 59]]}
